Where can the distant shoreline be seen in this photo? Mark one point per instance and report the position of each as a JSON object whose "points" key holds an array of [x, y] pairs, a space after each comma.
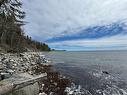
{"points": [[85, 50]]}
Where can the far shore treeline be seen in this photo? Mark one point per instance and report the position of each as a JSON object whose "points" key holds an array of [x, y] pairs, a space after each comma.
{"points": [[12, 37]]}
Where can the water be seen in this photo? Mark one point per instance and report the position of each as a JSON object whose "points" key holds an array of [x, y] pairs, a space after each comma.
{"points": [[99, 72]]}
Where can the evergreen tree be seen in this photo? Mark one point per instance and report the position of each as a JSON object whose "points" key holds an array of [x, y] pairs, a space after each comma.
{"points": [[12, 8], [12, 37]]}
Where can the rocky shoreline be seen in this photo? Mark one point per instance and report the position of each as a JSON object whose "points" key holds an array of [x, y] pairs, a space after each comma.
{"points": [[30, 73], [24, 68]]}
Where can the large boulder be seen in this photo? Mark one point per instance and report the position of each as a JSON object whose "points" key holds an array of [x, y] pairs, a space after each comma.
{"points": [[32, 89]]}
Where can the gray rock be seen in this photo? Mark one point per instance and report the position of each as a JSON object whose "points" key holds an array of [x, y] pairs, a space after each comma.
{"points": [[5, 75], [1, 67]]}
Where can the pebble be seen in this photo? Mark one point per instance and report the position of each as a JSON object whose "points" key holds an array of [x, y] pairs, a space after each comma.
{"points": [[13, 63], [42, 93]]}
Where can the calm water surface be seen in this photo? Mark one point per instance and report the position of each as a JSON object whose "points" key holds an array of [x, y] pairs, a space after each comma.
{"points": [[99, 72]]}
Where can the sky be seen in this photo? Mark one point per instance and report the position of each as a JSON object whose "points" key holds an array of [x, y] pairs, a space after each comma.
{"points": [[78, 24]]}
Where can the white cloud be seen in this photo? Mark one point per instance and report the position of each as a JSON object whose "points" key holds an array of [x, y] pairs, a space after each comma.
{"points": [[115, 42], [51, 18]]}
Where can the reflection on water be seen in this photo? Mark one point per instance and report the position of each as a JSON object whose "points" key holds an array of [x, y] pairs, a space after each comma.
{"points": [[99, 72]]}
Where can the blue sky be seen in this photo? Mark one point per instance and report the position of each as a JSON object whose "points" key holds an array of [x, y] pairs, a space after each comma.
{"points": [[78, 24]]}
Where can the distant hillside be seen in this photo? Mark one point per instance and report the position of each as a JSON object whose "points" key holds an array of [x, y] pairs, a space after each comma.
{"points": [[12, 37]]}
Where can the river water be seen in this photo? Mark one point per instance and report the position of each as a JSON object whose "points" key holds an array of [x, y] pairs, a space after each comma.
{"points": [[99, 72]]}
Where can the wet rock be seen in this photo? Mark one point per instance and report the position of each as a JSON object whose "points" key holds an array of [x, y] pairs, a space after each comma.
{"points": [[105, 72]]}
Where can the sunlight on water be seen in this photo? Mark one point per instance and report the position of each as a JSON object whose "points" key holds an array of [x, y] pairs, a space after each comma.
{"points": [[99, 72]]}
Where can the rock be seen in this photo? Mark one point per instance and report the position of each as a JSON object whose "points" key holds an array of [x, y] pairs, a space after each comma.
{"points": [[1, 53], [105, 72], [15, 63], [5, 75], [2, 77], [1, 66], [21, 54], [10, 71], [42, 93], [33, 63], [3, 59], [32, 89]]}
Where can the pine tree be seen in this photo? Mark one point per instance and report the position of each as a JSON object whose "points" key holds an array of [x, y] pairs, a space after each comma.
{"points": [[12, 8], [11, 35], [11, 16]]}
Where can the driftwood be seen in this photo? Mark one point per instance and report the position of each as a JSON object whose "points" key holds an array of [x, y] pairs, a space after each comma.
{"points": [[8, 88]]}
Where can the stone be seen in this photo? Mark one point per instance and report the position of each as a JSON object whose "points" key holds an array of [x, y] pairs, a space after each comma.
{"points": [[3, 59], [43, 93], [105, 72], [1, 66], [1, 77], [5, 75], [21, 54], [10, 71]]}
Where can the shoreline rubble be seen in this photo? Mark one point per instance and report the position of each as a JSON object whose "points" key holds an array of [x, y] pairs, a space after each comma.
{"points": [[23, 71]]}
